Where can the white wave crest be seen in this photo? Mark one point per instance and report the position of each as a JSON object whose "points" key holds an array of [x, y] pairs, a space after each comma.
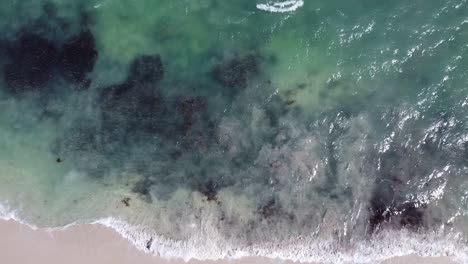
{"points": [[384, 245], [281, 7]]}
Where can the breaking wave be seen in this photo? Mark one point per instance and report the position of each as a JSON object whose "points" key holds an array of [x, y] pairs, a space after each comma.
{"points": [[281, 7]]}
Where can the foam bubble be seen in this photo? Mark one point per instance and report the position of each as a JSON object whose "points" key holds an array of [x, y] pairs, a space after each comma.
{"points": [[281, 7]]}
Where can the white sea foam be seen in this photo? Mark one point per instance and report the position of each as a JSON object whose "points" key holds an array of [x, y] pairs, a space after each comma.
{"points": [[210, 245], [6, 213], [281, 7], [382, 246]]}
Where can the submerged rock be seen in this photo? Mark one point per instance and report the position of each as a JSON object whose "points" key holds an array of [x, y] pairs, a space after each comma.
{"points": [[388, 204], [188, 105], [380, 207], [210, 190], [269, 209], [135, 106], [411, 215], [127, 107], [191, 108], [146, 69], [143, 188], [78, 57], [403, 215], [235, 72], [32, 61]]}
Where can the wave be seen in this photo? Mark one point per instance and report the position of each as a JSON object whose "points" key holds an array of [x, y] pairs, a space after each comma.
{"points": [[382, 246], [281, 7], [209, 245]]}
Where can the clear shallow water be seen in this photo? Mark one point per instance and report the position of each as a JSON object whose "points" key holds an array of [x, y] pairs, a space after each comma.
{"points": [[218, 121]]}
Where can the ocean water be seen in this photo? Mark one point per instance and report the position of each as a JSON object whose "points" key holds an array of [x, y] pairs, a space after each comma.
{"points": [[306, 130]]}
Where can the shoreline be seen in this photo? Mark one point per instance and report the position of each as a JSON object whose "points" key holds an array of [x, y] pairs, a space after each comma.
{"points": [[99, 244], [84, 243]]}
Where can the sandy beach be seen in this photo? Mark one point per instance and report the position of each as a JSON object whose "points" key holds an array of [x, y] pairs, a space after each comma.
{"points": [[97, 244]]}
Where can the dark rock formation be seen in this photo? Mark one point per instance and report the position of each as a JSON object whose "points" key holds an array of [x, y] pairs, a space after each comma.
{"points": [[188, 105], [210, 190], [191, 108], [403, 215], [380, 207], [146, 69], [32, 61], [411, 216], [78, 57], [143, 188], [269, 209], [127, 107], [388, 205], [236, 72], [135, 106]]}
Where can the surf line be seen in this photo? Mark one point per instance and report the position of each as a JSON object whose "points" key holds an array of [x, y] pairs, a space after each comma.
{"points": [[281, 7]]}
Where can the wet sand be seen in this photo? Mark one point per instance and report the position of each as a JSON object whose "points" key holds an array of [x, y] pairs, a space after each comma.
{"points": [[97, 244]]}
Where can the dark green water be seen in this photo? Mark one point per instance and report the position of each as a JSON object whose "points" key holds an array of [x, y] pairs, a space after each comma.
{"points": [[214, 128]]}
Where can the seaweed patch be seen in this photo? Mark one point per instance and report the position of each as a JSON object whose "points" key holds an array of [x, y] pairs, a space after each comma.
{"points": [[32, 62], [78, 57], [235, 72]]}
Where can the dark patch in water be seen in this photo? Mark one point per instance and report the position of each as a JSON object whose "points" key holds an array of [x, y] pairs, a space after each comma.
{"points": [[188, 105], [270, 209], [137, 125], [210, 190], [380, 207], [32, 61], [411, 216], [235, 72], [135, 105], [78, 57], [192, 110], [35, 57], [143, 188], [131, 109], [388, 204], [404, 215], [337, 127], [146, 69]]}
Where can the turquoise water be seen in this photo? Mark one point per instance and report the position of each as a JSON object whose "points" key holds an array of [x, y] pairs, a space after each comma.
{"points": [[222, 121]]}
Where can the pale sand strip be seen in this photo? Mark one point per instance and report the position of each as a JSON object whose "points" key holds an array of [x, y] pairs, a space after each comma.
{"points": [[96, 244]]}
